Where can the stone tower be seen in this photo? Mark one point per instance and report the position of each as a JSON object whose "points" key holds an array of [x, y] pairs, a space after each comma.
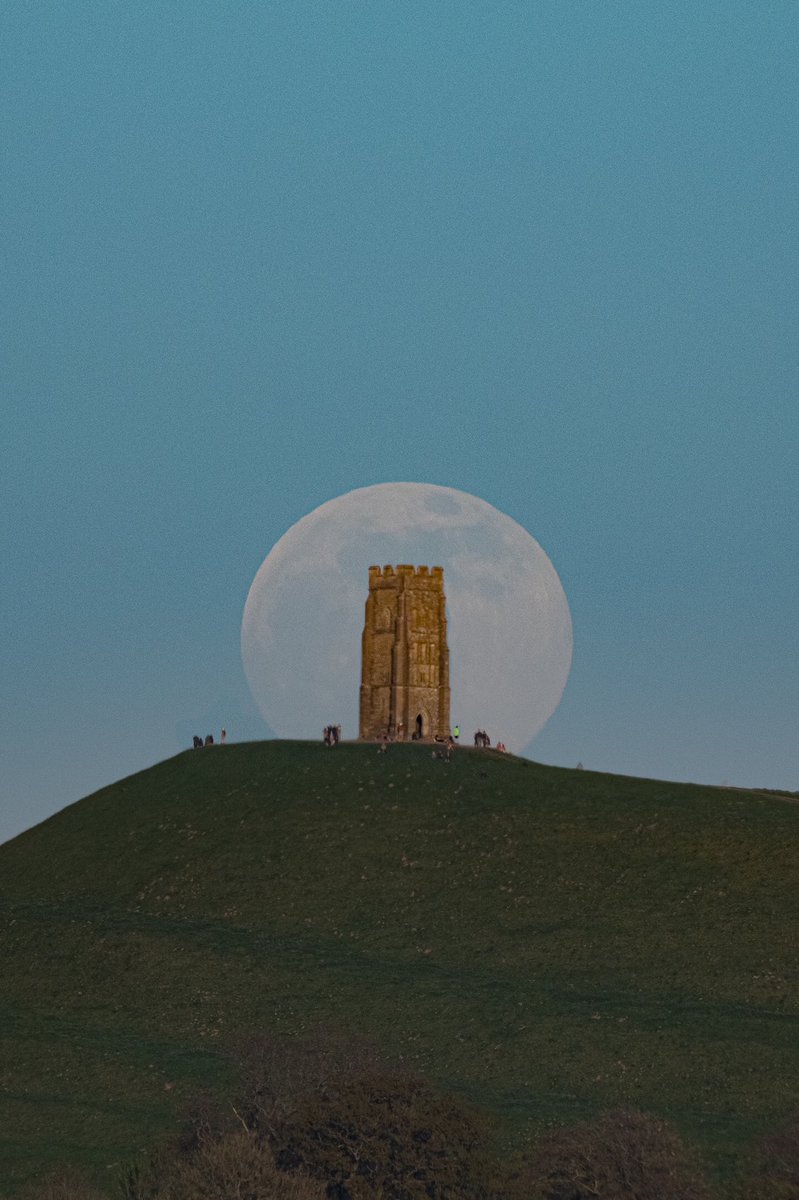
{"points": [[405, 659]]}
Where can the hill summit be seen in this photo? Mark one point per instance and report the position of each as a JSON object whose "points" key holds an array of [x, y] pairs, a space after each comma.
{"points": [[549, 943]]}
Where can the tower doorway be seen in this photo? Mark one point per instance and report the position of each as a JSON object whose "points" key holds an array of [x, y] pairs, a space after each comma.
{"points": [[421, 726]]}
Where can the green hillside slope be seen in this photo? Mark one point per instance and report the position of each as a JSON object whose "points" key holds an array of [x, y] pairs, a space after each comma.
{"points": [[551, 943]]}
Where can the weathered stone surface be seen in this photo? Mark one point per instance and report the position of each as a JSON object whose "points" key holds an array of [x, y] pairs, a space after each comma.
{"points": [[405, 659]]}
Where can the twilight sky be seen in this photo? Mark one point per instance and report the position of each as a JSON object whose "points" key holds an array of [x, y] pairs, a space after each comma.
{"points": [[257, 255]]}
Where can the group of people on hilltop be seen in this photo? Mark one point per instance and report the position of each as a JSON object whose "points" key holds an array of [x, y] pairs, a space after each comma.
{"points": [[446, 745], [331, 736], [483, 741], [209, 740]]}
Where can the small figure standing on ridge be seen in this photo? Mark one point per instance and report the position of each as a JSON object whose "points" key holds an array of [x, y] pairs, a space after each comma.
{"points": [[223, 738], [446, 753]]}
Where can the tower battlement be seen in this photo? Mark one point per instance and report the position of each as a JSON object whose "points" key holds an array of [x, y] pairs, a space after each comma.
{"points": [[405, 689], [406, 570]]}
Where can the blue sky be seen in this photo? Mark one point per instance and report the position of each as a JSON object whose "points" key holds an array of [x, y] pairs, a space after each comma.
{"points": [[257, 255]]}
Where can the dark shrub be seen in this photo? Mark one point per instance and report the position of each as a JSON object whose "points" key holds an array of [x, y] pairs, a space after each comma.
{"points": [[277, 1074], [234, 1167], [228, 1166], [386, 1134], [622, 1155], [776, 1171], [331, 1106]]}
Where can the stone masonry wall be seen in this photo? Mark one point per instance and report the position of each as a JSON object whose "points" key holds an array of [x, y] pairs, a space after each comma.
{"points": [[405, 659]]}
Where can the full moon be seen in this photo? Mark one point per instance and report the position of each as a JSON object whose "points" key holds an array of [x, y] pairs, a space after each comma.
{"points": [[509, 626]]}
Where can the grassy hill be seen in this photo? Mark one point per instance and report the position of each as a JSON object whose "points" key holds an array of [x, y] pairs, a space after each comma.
{"points": [[549, 942]]}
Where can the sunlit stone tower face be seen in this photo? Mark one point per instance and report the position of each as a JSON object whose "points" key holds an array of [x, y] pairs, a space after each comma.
{"points": [[405, 660]]}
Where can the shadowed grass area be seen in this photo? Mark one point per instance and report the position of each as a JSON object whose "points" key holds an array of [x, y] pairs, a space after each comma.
{"points": [[549, 942]]}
